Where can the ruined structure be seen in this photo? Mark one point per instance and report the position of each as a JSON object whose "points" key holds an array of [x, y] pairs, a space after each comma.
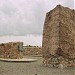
{"points": [[32, 51], [11, 50], [59, 33]]}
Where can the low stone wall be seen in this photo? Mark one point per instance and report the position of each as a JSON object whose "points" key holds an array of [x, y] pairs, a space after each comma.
{"points": [[10, 50], [32, 51]]}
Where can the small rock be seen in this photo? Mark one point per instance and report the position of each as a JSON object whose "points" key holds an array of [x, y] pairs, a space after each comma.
{"points": [[61, 66]]}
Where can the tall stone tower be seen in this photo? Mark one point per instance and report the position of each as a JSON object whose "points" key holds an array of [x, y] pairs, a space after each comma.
{"points": [[59, 33]]}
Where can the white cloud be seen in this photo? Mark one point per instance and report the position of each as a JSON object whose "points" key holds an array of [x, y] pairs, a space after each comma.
{"points": [[21, 17], [27, 40]]}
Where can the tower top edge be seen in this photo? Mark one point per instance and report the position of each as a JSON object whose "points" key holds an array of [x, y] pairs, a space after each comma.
{"points": [[59, 7]]}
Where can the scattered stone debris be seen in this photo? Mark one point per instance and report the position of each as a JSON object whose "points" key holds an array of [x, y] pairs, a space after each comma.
{"points": [[59, 62]]}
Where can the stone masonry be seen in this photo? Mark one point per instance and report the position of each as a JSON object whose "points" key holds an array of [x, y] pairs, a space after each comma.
{"points": [[12, 50], [32, 51], [59, 33]]}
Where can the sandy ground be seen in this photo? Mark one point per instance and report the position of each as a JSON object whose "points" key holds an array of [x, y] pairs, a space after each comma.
{"points": [[32, 68]]}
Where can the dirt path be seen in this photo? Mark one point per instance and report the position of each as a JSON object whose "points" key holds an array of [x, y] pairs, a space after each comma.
{"points": [[32, 68]]}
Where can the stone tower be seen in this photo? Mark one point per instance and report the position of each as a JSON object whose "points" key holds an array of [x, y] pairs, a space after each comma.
{"points": [[59, 33]]}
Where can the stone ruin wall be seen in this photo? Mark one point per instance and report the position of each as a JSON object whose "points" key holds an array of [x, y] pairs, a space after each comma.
{"points": [[59, 32], [32, 51], [11, 50], [67, 32], [51, 33]]}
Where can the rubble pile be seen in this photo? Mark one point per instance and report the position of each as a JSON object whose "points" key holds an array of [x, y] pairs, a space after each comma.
{"points": [[60, 62], [10, 50]]}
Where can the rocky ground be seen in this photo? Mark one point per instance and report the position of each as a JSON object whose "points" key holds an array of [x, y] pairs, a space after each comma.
{"points": [[32, 68]]}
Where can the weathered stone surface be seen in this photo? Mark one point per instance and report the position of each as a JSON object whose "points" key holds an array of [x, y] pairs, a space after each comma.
{"points": [[32, 51], [11, 50], [59, 33]]}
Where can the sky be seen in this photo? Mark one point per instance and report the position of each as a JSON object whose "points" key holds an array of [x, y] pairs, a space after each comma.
{"points": [[24, 17], [33, 40]]}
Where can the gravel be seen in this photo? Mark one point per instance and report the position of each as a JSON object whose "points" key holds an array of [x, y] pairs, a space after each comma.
{"points": [[32, 68]]}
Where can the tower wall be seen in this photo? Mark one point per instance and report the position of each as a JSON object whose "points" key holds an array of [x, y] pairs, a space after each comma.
{"points": [[59, 32], [51, 33], [67, 32]]}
